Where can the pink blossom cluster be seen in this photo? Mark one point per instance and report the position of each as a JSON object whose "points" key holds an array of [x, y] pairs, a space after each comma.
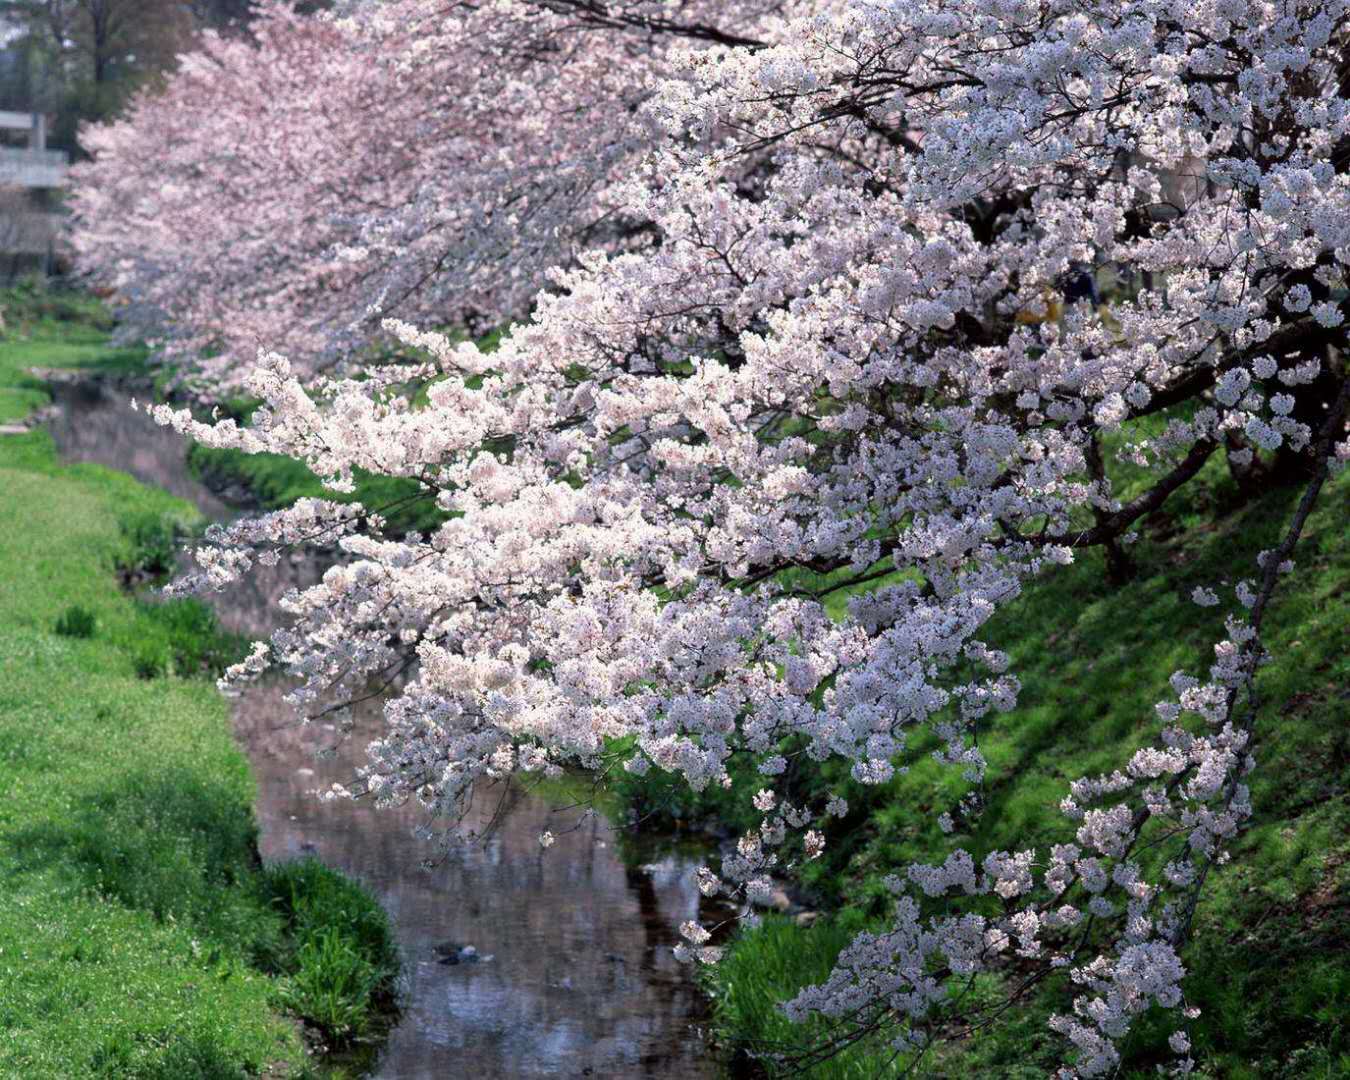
{"points": [[296, 185], [829, 373]]}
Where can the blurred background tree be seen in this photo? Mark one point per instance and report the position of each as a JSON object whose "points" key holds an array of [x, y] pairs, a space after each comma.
{"points": [[79, 61]]}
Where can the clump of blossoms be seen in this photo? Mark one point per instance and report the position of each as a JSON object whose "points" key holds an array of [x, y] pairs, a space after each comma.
{"points": [[1087, 907], [839, 359]]}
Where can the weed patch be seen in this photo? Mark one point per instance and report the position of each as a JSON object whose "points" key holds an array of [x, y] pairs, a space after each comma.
{"points": [[341, 964], [77, 622]]}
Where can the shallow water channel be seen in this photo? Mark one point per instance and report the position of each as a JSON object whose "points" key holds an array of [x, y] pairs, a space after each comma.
{"points": [[581, 980]]}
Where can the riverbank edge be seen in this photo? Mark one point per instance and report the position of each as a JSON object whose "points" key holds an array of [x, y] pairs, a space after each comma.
{"points": [[301, 904]]}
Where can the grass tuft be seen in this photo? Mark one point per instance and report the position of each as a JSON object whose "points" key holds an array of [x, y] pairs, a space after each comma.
{"points": [[153, 542], [76, 621], [342, 964]]}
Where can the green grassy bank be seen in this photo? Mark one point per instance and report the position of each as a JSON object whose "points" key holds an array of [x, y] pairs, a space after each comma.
{"points": [[1270, 954], [139, 935]]}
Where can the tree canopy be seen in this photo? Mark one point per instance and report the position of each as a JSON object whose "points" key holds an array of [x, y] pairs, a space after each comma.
{"points": [[811, 296]]}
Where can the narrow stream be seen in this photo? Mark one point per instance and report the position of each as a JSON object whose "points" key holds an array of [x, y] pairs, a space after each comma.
{"points": [[581, 981]]}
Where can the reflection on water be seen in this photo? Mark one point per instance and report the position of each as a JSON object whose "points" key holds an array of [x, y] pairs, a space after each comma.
{"points": [[581, 981], [94, 424]]}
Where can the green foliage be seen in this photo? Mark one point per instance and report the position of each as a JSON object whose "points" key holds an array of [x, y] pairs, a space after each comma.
{"points": [[34, 305], [342, 963], [149, 662], [332, 987], [189, 639], [76, 621], [277, 482], [153, 542]]}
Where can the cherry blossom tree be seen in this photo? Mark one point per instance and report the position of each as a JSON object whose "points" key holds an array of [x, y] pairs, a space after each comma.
{"points": [[835, 359], [416, 158]]}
